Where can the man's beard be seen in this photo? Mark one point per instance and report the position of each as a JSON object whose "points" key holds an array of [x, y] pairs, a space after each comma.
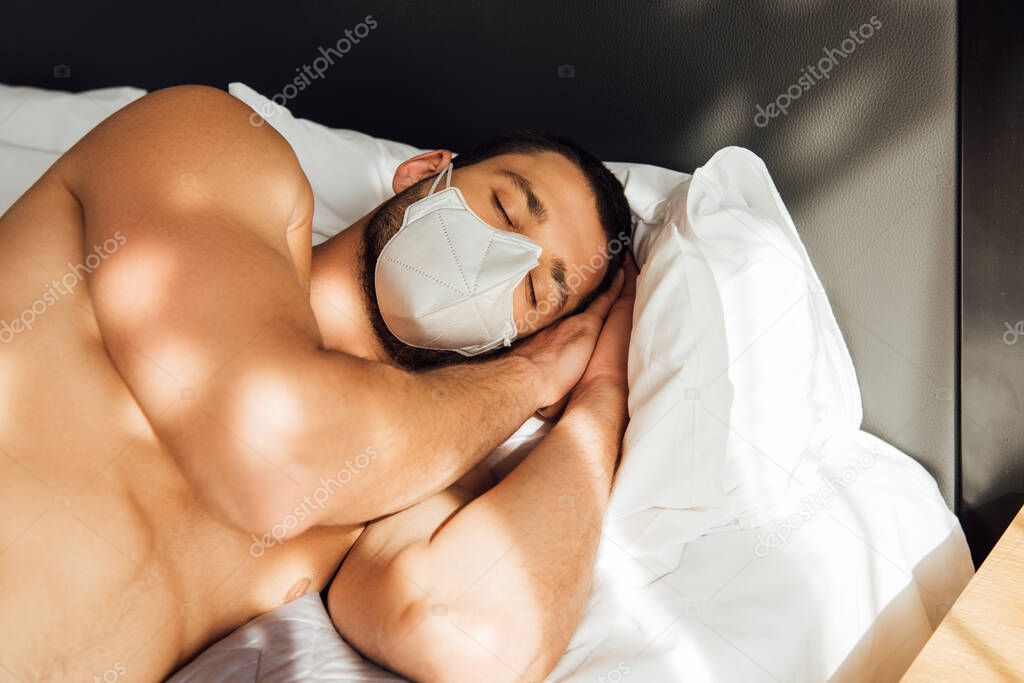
{"points": [[381, 227]]}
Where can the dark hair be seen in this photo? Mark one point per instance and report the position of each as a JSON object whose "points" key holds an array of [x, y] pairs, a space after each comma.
{"points": [[612, 207]]}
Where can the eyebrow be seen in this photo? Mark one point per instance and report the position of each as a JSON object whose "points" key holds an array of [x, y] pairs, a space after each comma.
{"points": [[523, 184], [558, 275]]}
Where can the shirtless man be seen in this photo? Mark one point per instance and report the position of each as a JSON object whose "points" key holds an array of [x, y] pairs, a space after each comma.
{"points": [[192, 438]]}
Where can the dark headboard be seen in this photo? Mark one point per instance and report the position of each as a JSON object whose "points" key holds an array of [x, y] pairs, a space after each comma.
{"points": [[992, 367], [865, 158]]}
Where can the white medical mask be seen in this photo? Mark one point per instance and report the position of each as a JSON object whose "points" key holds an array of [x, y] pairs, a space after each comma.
{"points": [[446, 279]]}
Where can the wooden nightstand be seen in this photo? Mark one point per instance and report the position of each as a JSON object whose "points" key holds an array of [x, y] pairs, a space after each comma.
{"points": [[982, 636]]}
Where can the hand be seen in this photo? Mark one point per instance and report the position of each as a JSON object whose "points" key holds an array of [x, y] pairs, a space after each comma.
{"points": [[604, 383], [560, 353]]}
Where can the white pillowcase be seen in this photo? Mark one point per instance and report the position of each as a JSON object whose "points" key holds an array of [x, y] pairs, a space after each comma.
{"points": [[19, 168], [37, 126], [52, 120], [794, 381], [738, 371], [668, 489]]}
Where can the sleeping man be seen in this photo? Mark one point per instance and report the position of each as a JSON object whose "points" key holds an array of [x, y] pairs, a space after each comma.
{"points": [[204, 416]]}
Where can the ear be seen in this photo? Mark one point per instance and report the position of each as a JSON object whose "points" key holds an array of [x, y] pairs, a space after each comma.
{"points": [[419, 167]]}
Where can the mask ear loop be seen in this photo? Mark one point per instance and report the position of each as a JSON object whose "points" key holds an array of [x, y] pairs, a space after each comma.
{"points": [[447, 175]]}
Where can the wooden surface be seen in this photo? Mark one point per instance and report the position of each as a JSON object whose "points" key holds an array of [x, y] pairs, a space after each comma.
{"points": [[982, 636]]}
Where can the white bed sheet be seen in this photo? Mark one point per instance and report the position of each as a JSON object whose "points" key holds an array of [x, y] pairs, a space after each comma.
{"points": [[852, 595]]}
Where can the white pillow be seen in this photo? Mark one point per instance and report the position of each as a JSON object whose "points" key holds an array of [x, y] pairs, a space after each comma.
{"points": [[19, 168], [52, 120], [794, 381], [668, 487], [738, 371], [646, 187]]}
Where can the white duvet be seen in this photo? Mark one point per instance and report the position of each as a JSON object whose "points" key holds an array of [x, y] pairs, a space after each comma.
{"points": [[833, 558]]}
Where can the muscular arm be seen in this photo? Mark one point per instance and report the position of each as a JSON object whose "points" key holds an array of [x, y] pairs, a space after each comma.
{"points": [[204, 312], [493, 589]]}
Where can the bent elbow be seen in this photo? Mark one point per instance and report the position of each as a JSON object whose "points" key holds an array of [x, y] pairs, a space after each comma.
{"points": [[438, 642], [453, 643], [403, 614]]}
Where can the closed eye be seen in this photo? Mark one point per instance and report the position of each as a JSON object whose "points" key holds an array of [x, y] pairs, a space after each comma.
{"points": [[501, 209]]}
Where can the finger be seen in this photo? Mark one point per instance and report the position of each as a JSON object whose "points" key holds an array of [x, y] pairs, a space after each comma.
{"points": [[600, 306], [631, 271]]}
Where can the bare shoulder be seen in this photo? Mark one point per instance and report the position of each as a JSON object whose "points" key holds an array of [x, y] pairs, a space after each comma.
{"points": [[193, 138]]}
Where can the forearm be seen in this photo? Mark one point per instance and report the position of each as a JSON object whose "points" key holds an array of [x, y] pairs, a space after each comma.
{"points": [[508, 575], [427, 429], [373, 439]]}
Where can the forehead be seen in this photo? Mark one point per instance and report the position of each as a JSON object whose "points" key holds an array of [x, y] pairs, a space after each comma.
{"points": [[571, 231]]}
